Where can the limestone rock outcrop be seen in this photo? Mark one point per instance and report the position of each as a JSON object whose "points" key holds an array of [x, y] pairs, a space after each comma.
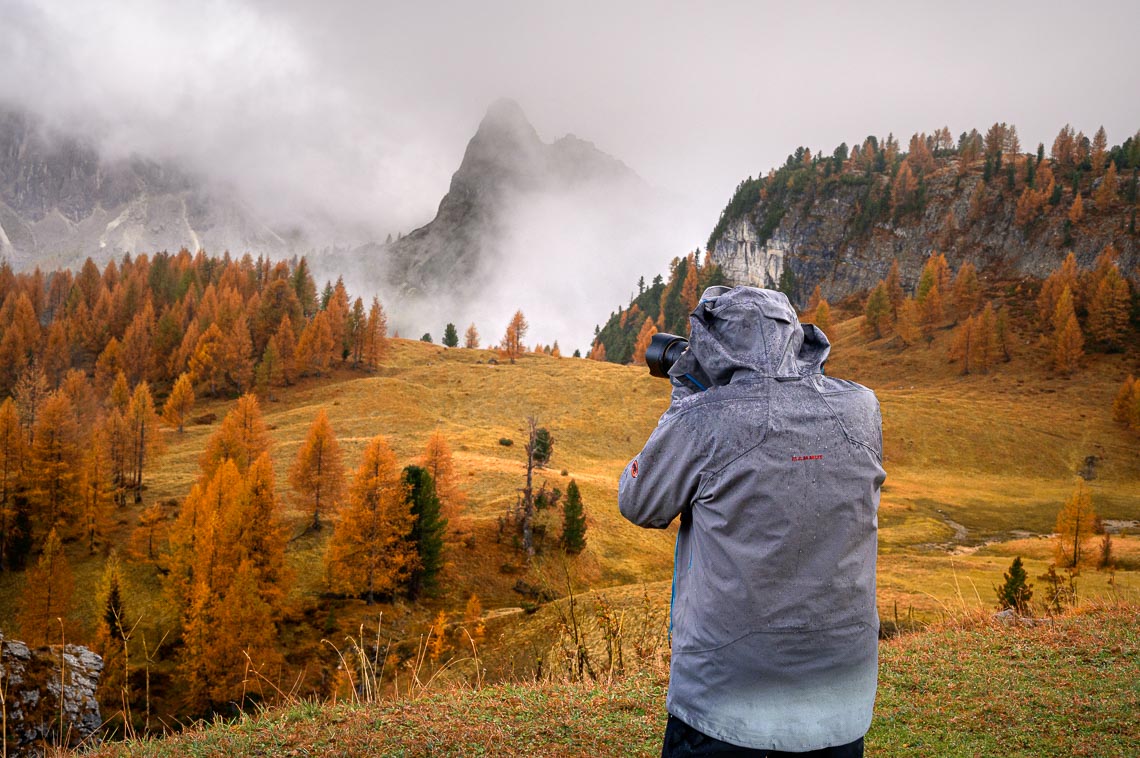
{"points": [[821, 239], [47, 692]]}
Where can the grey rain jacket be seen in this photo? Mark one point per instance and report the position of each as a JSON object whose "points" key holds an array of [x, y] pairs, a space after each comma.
{"points": [[775, 472]]}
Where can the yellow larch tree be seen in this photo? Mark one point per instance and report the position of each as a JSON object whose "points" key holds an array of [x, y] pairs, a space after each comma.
{"points": [[1076, 524], [822, 315], [689, 291], [146, 442], [237, 355], [513, 339], [1064, 276], [438, 461], [96, 488], [967, 290], [375, 336], [287, 349], [241, 438], [370, 553], [1109, 310], [317, 474], [180, 403], [1105, 196], [337, 310], [207, 363], [56, 463], [1068, 341], [644, 337], [46, 600], [962, 348], [877, 312], [1126, 405], [471, 337], [908, 326], [316, 346], [986, 340], [1099, 153]]}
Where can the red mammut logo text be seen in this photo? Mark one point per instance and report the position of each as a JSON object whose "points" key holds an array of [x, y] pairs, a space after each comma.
{"points": [[807, 457]]}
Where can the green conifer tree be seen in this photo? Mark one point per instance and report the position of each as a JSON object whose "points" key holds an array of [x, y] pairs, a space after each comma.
{"points": [[450, 336], [573, 521], [1015, 592], [543, 446], [427, 531]]}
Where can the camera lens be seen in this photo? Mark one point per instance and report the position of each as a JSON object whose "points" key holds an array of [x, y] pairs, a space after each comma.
{"points": [[663, 351]]}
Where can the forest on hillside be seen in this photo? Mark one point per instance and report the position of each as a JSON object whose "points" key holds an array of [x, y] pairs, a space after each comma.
{"points": [[1091, 185]]}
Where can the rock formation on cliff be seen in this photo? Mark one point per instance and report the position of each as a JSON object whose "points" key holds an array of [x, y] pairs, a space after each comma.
{"points": [[47, 692], [61, 201], [839, 221]]}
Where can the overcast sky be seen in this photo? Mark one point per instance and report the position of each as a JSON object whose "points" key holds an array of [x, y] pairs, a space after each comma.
{"points": [[363, 109]]}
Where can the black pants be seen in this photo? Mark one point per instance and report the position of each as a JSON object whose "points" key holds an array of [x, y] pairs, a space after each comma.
{"points": [[683, 741]]}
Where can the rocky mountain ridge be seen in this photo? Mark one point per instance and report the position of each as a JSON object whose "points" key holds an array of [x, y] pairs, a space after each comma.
{"points": [[505, 161], [809, 225], [61, 201]]}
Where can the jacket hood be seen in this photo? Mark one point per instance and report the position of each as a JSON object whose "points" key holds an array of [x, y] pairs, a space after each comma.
{"points": [[741, 333]]}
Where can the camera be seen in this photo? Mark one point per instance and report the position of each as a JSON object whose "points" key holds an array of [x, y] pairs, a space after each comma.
{"points": [[663, 351]]}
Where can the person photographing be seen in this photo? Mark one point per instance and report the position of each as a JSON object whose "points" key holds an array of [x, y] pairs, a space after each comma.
{"points": [[774, 470]]}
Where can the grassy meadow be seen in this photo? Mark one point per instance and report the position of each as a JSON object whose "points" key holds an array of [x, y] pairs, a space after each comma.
{"points": [[969, 688]]}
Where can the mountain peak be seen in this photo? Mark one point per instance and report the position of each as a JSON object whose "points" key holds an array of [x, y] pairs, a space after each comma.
{"points": [[505, 111], [506, 126]]}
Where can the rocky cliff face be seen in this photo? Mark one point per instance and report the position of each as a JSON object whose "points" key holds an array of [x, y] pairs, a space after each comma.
{"points": [[60, 202], [505, 162], [47, 692], [825, 234]]}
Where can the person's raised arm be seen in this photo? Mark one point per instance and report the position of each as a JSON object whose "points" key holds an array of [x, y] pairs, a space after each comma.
{"points": [[665, 476]]}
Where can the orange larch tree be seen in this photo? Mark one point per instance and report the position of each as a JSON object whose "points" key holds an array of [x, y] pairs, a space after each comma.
{"points": [[370, 553], [287, 348], [876, 312], [179, 403], [1105, 196], [1058, 280], [357, 332], [822, 316], [241, 438], [316, 346], [317, 474], [967, 290], [513, 339], [56, 463], [471, 337], [337, 310], [644, 337], [438, 462], [1068, 340], [146, 442], [207, 364], [137, 355], [375, 336], [46, 601], [1076, 524], [237, 355], [1109, 310]]}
